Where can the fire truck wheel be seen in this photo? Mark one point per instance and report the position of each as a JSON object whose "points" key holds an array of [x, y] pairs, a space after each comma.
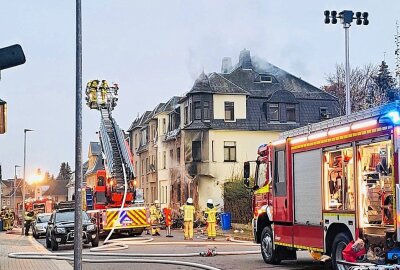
{"points": [[339, 244], [269, 253], [54, 244]]}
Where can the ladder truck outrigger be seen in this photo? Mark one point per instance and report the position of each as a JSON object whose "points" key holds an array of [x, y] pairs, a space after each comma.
{"points": [[104, 197], [321, 186]]}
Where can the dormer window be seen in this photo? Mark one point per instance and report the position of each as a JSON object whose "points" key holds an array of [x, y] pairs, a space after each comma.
{"points": [[265, 79]]}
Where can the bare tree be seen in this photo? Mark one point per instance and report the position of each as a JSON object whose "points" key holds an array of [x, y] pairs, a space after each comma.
{"points": [[364, 92]]}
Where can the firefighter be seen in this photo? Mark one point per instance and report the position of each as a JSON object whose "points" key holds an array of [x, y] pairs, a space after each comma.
{"points": [[93, 92], [168, 220], [29, 217], [155, 215], [8, 220], [103, 90], [188, 216], [3, 218], [211, 214]]}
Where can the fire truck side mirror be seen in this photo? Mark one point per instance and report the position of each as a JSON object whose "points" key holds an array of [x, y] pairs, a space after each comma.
{"points": [[246, 170]]}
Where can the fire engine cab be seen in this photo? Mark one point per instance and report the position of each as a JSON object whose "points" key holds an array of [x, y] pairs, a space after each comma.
{"points": [[322, 186]]}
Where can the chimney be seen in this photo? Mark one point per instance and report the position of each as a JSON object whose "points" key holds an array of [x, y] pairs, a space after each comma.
{"points": [[226, 65], [245, 59]]}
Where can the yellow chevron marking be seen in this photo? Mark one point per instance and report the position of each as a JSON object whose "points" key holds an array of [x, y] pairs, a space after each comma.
{"points": [[138, 218], [142, 215]]}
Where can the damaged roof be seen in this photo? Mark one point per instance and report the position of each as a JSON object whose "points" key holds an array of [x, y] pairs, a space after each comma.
{"points": [[139, 121], [214, 83], [250, 79]]}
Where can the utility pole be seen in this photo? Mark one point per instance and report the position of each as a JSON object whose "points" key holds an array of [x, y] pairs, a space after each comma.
{"points": [[78, 142], [23, 182], [15, 189]]}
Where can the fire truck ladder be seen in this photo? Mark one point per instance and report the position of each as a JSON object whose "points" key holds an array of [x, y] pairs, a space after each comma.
{"points": [[114, 148]]}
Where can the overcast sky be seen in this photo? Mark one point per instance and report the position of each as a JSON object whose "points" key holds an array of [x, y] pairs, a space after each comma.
{"points": [[156, 49]]}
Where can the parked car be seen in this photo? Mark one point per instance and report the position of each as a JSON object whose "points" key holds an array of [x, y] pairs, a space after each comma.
{"points": [[39, 226], [60, 229]]}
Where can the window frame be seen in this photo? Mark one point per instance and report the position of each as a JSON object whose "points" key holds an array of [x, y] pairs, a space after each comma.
{"points": [[291, 107], [270, 107], [326, 113], [230, 148], [197, 110], [266, 76], [229, 106], [206, 108], [194, 158], [280, 180]]}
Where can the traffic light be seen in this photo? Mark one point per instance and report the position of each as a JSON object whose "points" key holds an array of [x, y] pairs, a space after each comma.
{"points": [[3, 116]]}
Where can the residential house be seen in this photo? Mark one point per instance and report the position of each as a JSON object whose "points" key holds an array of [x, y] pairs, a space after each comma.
{"points": [[216, 126], [227, 115], [58, 190], [7, 190], [168, 147], [95, 163], [135, 133], [143, 138]]}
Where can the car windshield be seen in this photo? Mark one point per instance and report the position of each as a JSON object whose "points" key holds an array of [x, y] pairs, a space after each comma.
{"points": [[69, 216], [43, 218]]}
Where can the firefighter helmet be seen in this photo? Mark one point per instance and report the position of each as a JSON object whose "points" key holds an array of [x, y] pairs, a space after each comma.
{"points": [[189, 200], [210, 201]]}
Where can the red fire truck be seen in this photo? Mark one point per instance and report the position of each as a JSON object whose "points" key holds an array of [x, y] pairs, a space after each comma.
{"points": [[321, 186], [104, 195]]}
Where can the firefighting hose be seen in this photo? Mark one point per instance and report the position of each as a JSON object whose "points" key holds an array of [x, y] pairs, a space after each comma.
{"points": [[121, 244]]}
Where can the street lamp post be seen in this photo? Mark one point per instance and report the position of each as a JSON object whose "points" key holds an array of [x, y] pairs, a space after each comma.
{"points": [[78, 141], [15, 189], [346, 18], [23, 182]]}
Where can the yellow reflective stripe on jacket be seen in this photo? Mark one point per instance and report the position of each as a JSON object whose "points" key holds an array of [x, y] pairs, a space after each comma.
{"points": [[154, 213], [211, 214], [188, 212], [262, 190]]}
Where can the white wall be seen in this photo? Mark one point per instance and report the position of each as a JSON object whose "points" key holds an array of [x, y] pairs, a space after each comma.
{"points": [[247, 143], [239, 106]]}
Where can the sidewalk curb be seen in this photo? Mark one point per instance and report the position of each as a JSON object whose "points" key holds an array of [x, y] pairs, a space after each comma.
{"points": [[61, 264]]}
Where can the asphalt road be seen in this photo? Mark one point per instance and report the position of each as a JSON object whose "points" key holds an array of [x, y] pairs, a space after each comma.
{"points": [[252, 261]]}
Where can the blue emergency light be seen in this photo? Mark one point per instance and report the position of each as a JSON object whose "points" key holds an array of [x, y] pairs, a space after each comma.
{"points": [[392, 117]]}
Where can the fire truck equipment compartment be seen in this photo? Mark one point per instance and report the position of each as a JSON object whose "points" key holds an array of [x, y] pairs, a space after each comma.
{"points": [[307, 181]]}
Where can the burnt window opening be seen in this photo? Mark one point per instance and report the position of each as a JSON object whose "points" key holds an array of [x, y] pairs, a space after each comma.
{"points": [[290, 113], [206, 107], [178, 154], [197, 110], [324, 113], [186, 115], [229, 111], [229, 151], [274, 112], [196, 150], [265, 78]]}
